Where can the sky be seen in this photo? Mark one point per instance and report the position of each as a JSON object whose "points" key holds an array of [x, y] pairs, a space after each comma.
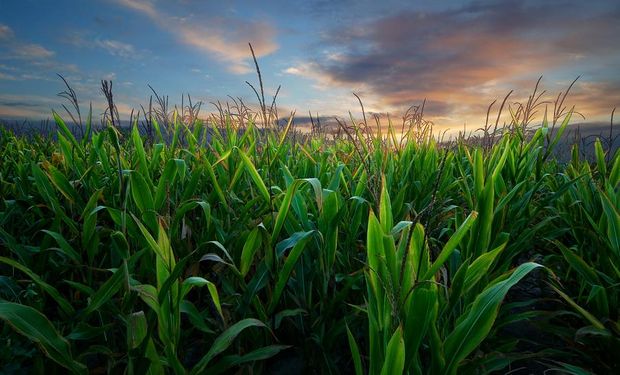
{"points": [[458, 56]]}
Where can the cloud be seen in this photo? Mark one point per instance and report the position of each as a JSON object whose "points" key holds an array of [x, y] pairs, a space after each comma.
{"points": [[223, 38], [12, 112], [458, 58], [111, 46], [597, 97], [7, 77], [313, 71], [227, 40], [116, 48], [25, 106], [20, 50], [143, 6], [109, 76], [32, 52], [5, 32]]}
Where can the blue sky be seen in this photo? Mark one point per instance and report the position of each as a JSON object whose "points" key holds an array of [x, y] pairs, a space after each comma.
{"points": [[458, 55]]}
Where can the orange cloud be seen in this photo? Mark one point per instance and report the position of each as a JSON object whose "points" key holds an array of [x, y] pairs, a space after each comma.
{"points": [[463, 58], [224, 39]]}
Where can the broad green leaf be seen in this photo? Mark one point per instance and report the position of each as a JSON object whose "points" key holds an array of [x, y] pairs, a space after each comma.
{"points": [[215, 182], [601, 164], [451, 245], [479, 268], [286, 314], [614, 174], [355, 353], [153, 245], [195, 317], [141, 192], [285, 272], [223, 341], [421, 312], [148, 294], [65, 247], [63, 185], [136, 329], [258, 181], [613, 222], [107, 290], [45, 188], [65, 132], [252, 243], [64, 305], [395, 354], [476, 325], [284, 208], [200, 282], [589, 317], [142, 166], [577, 263], [165, 181], [36, 327], [385, 208], [259, 354]]}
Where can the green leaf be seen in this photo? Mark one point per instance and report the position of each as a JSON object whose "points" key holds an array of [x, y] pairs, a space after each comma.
{"points": [[479, 268], [153, 245], [422, 307], [194, 316], [200, 282], [613, 222], [577, 263], [451, 245], [65, 248], [395, 354], [141, 192], [65, 132], [143, 166], [85, 331], [589, 317], [355, 353], [223, 341], [165, 181], [600, 158], [44, 187], [36, 327], [107, 290], [148, 294], [385, 208], [258, 181], [136, 329], [284, 209], [259, 354], [285, 272], [64, 305], [62, 184], [476, 325], [252, 243], [285, 314], [614, 175], [215, 182]]}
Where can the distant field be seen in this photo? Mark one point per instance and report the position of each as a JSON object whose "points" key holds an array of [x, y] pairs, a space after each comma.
{"points": [[585, 133]]}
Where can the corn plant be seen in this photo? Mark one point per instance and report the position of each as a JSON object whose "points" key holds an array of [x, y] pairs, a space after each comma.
{"points": [[406, 302], [223, 245]]}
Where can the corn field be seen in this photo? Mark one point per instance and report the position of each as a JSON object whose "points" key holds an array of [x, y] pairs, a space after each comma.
{"points": [[216, 251]]}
